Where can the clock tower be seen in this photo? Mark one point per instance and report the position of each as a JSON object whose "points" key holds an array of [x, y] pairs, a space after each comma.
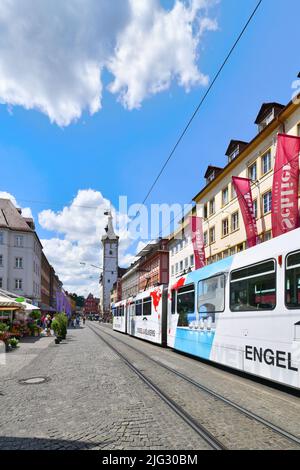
{"points": [[110, 245]]}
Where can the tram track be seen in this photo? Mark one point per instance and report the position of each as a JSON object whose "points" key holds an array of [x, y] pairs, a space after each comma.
{"points": [[213, 442], [211, 393]]}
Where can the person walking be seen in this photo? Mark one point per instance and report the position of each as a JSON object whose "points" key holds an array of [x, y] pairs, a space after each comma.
{"points": [[83, 319], [78, 321]]}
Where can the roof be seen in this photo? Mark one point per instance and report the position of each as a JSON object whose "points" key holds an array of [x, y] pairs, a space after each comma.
{"points": [[109, 229], [265, 110], [11, 218], [212, 168], [233, 145], [285, 111]]}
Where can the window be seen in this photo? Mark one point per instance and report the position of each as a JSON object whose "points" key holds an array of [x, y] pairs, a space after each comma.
{"points": [[172, 270], [205, 238], [138, 307], [205, 211], [266, 163], [255, 208], [267, 202], [18, 284], [235, 221], [185, 303], [267, 236], [192, 260], [19, 263], [225, 196], [173, 301], [186, 263], [225, 227], [252, 172], [233, 192], [292, 280], [1, 238], [114, 312], [147, 306], [234, 154], [1, 282], [1, 260], [211, 296], [232, 251], [212, 206], [212, 235], [181, 265], [254, 287], [176, 268], [19, 240]]}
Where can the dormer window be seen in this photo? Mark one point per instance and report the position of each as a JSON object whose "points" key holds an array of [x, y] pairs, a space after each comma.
{"points": [[234, 154], [267, 113], [266, 121], [211, 177], [235, 148]]}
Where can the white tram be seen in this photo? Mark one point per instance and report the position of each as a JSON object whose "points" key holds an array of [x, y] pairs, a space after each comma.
{"points": [[242, 312]]}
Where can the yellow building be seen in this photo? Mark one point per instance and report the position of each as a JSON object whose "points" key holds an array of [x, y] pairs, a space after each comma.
{"points": [[224, 230]]}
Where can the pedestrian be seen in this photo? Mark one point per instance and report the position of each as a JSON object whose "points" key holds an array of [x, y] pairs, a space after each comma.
{"points": [[78, 321], [48, 325], [83, 320]]}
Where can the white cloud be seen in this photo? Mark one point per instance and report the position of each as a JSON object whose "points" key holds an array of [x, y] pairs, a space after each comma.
{"points": [[52, 52], [79, 228], [26, 211]]}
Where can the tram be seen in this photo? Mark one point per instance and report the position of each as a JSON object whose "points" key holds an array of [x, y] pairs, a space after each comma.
{"points": [[242, 312]]}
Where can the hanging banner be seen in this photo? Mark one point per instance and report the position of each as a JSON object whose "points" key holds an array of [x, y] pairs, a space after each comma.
{"points": [[196, 229], [242, 187], [285, 212]]}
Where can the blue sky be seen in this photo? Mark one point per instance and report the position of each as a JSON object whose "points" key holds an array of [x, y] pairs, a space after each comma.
{"points": [[119, 152]]}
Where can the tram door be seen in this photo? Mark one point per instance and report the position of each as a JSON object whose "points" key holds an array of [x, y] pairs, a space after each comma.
{"points": [[130, 318]]}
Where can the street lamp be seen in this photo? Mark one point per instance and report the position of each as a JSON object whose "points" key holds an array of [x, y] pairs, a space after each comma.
{"points": [[97, 267]]}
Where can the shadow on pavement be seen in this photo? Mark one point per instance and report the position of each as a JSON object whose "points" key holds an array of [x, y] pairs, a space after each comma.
{"points": [[28, 443]]}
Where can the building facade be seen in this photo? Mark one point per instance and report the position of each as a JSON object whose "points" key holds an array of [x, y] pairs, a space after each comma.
{"points": [[110, 244], [91, 305], [20, 253], [217, 204], [130, 281], [154, 264]]}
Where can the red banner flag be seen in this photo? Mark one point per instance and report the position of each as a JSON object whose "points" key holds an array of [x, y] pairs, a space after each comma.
{"points": [[242, 187], [198, 241], [285, 212]]}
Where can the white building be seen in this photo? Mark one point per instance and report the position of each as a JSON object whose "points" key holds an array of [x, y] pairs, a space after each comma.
{"points": [[110, 242], [181, 256], [20, 253]]}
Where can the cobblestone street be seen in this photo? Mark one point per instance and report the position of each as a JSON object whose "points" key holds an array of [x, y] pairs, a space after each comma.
{"points": [[91, 400]]}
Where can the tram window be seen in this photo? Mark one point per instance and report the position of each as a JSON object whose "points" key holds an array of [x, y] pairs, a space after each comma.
{"points": [[114, 312], [173, 301], [254, 287], [292, 282], [122, 311], [138, 307], [147, 306], [185, 303], [211, 296]]}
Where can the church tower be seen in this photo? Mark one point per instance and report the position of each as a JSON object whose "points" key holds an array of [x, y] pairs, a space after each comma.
{"points": [[110, 245]]}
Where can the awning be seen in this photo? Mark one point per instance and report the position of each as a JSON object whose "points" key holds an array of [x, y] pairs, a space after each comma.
{"points": [[8, 302], [28, 307], [8, 309]]}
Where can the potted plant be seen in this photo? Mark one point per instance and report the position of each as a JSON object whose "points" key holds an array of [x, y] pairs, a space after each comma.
{"points": [[56, 328], [63, 322], [14, 343]]}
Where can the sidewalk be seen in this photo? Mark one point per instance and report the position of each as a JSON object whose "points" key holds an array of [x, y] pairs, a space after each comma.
{"points": [[28, 350], [88, 401]]}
